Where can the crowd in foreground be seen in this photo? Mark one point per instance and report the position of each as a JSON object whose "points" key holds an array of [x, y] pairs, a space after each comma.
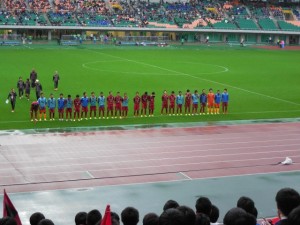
{"points": [[245, 213]]}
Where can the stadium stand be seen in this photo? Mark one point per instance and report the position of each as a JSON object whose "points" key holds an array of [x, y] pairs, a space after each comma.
{"points": [[267, 24], [287, 26], [225, 24], [247, 24]]}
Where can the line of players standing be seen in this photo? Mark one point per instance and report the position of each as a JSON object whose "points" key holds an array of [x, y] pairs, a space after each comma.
{"points": [[117, 106]]}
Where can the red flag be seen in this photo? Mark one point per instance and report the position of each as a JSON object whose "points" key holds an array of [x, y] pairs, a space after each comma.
{"points": [[107, 218], [9, 209]]}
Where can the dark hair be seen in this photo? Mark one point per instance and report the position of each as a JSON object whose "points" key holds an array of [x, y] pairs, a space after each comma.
{"points": [[115, 216], [77, 96], [146, 92], [188, 90], [203, 205], [35, 218], [170, 204], [294, 216], [171, 217], [80, 218], [238, 216], [46, 222], [69, 96], [287, 199], [93, 217], [8, 221], [246, 204], [202, 219], [188, 215], [150, 219], [214, 215], [130, 216]]}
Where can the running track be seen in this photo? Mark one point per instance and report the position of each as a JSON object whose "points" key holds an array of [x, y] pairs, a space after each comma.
{"points": [[35, 162]]}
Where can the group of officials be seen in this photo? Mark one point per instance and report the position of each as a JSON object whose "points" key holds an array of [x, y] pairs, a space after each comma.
{"points": [[102, 107]]}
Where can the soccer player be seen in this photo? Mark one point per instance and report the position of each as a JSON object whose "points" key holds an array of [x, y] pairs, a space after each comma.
{"points": [[210, 101], [179, 103], [93, 105], [195, 99], [69, 106], [136, 101], [151, 99], [12, 96], [33, 110], [125, 101], [118, 104], [172, 99], [38, 89], [144, 104], [27, 89], [42, 105], [21, 86], [84, 105], [51, 106], [217, 102], [203, 102], [187, 105], [110, 105], [101, 105], [61, 107], [164, 106], [55, 80], [77, 104], [33, 77], [225, 100]]}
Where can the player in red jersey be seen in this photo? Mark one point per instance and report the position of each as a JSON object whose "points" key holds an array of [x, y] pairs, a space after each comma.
{"points": [[164, 106], [136, 101], [77, 104], [125, 101], [110, 105], [118, 104], [210, 101], [151, 103], [172, 99], [187, 104], [33, 110], [144, 104]]}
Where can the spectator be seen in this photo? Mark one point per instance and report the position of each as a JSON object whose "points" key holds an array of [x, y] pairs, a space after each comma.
{"points": [[202, 219], [8, 221], [150, 219], [130, 216], [170, 204], [294, 216], [171, 217], [238, 216], [35, 218], [203, 205], [214, 215], [93, 217], [80, 218], [46, 222], [188, 214], [246, 204], [286, 199], [115, 219]]}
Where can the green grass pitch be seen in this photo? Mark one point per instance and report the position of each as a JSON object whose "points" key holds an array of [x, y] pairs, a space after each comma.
{"points": [[262, 84]]}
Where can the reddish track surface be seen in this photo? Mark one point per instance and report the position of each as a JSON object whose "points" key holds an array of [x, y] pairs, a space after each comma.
{"points": [[77, 160]]}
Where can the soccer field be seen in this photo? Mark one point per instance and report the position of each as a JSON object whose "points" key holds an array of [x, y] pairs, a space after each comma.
{"points": [[262, 84]]}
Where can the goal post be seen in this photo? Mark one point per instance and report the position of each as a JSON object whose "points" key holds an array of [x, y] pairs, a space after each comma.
{"points": [[143, 40], [70, 40]]}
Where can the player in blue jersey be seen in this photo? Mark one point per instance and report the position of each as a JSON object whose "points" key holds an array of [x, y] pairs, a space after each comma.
{"points": [[69, 106], [61, 107], [51, 106], [84, 105], [42, 106], [125, 101], [93, 105], [217, 102], [195, 100], [101, 105], [225, 100], [179, 103], [203, 102]]}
